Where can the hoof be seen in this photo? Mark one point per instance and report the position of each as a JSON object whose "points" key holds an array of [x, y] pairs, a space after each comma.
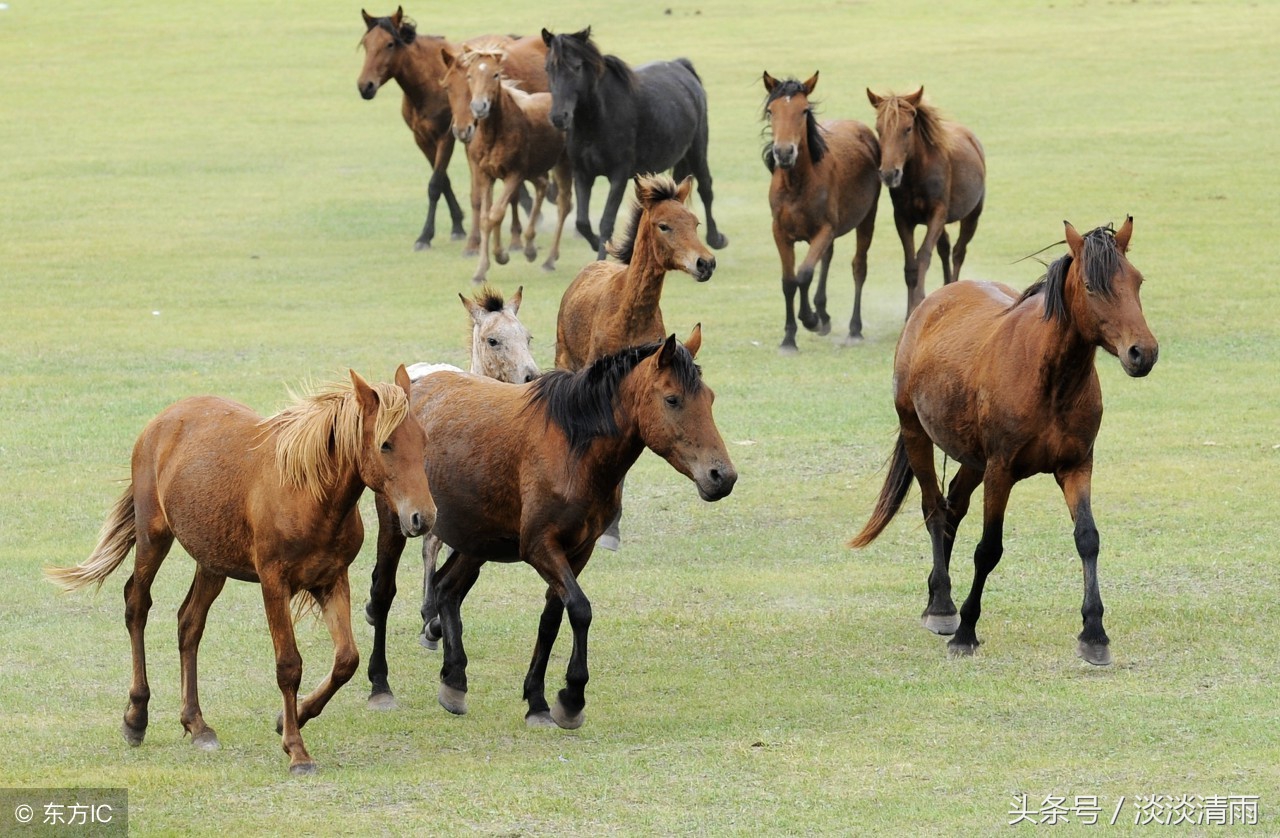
{"points": [[609, 542], [563, 720], [206, 740], [788, 349], [851, 340], [501, 258], [457, 235], [455, 701], [549, 266], [421, 244], [531, 254], [1098, 654], [368, 613], [944, 624], [382, 701], [962, 650], [718, 242], [810, 324], [540, 721], [471, 252], [132, 735], [280, 723], [824, 328], [300, 769], [426, 641]]}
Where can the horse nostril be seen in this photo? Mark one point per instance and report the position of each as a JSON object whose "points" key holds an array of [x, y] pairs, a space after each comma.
{"points": [[415, 521], [1135, 354], [716, 477]]}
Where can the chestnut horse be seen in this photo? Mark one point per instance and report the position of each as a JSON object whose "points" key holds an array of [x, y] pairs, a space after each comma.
{"points": [[1005, 384], [272, 501], [514, 141], [394, 50], [825, 183], [533, 473], [936, 173]]}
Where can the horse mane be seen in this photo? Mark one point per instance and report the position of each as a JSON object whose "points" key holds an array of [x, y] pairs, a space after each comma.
{"points": [[930, 125], [660, 188], [405, 35], [591, 57], [581, 403], [489, 298], [1101, 258], [319, 436], [813, 131]]}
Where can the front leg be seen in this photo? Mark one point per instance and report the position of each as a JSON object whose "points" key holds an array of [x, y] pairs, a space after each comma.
{"points": [[907, 236], [498, 211], [275, 599], [935, 229], [531, 228], [617, 188], [563, 595], [382, 592], [487, 229], [787, 255], [1093, 644], [335, 608], [582, 191], [472, 247], [819, 249]]}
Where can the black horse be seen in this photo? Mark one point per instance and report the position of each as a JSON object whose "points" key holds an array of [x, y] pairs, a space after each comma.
{"points": [[623, 122]]}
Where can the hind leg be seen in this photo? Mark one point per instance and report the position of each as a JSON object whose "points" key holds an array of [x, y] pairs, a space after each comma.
{"points": [[695, 163], [191, 620], [968, 226], [453, 582], [564, 205], [995, 498], [429, 637], [944, 256], [153, 542], [940, 615]]}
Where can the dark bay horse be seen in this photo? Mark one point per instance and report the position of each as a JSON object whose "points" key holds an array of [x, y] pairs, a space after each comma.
{"points": [[623, 122], [1005, 384], [272, 501], [533, 473], [825, 183], [394, 50], [936, 173]]}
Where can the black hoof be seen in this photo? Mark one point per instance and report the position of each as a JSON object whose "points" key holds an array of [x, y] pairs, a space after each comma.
{"points": [[422, 244]]}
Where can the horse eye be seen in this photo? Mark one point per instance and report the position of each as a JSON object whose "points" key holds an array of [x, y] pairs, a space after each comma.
{"points": [[673, 401], [493, 341], [664, 228], [386, 447]]}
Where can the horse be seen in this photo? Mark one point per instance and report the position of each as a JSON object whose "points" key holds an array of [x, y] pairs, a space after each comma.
{"points": [[1006, 385], [514, 141], [570, 437], [499, 350], [394, 50], [272, 501], [825, 183], [936, 173], [623, 122]]}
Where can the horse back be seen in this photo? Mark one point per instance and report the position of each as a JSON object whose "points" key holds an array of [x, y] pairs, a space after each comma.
{"points": [[672, 110], [583, 327]]}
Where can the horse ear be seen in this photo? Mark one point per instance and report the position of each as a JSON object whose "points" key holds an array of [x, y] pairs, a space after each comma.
{"points": [[546, 36], [667, 354], [913, 99], [811, 83], [769, 82], [514, 305], [369, 22], [398, 16], [643, 194], [584, 35], [402, 379], [365, 395], [685, 189], [473, 308], [694, 342], [1123, 234], [874, 99], [1074, 240]]}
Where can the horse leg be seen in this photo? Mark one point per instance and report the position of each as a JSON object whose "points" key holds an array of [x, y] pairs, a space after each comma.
{"points": [[907, 236], [429, 637], [820, 296], [275, 600], [944, 256], [582, 191], [617, 188], [487, 228], [335, 608], [820, 245], [695, 163], [472, 247], [564, 204], [865, 230], [995, 497], [510, 185], [531, 228], [968, 226], [191, 620], [787, 255], [382, 592], [1093, 644], [933, 231], [453, 581], [563, 595], [939, 614], [153, 540]]}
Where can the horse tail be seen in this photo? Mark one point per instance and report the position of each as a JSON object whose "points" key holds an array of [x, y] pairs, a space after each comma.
{"points": [[114, 543], [896, 485], [688, 65]]}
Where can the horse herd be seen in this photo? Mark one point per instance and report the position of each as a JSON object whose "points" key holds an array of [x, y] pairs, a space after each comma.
{"points": [[522, 466]]}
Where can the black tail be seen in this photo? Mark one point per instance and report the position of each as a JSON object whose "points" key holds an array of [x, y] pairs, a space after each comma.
{"points": [[896, 485]]}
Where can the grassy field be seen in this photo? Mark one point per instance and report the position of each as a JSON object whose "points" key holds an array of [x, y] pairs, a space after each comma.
{"points": [[196, 199]]}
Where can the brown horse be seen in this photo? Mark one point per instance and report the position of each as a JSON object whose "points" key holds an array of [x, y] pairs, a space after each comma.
{"points": [[936, 173], [514, 141], [1006, 385], [533, 473], [825, 183], [394, 50], [609, 306], [272, 501]]}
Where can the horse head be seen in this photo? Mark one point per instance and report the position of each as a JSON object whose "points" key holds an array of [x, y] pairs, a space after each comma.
{"points": [[458, 90], [1105, 302], [673, 410], [896, 127], [385, 38], [573, 66], [664, 230], [792, 125], [484, 74], [499, 341], [392, 451]]}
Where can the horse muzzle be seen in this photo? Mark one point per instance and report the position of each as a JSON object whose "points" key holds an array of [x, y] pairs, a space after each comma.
{"points": [[891, 178], [703, 268], [415, 522], [1138, 360], [716, 483], [464, 135], [480, 108], [368, 89], [562, 120], [784, 156]]}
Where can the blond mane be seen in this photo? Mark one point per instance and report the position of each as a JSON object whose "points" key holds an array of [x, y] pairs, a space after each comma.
{"points": [[932, 127]]}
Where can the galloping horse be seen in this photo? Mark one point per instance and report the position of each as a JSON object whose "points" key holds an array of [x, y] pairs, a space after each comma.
{"points": [[271, 501], [514, 141], [936, 174], [394, 50], [623, 122], [569, 437], [825, 183], [1006, 385]]}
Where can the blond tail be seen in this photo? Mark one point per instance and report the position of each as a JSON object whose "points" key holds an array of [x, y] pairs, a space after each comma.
{"points": [[114, 543], [896, 485]]}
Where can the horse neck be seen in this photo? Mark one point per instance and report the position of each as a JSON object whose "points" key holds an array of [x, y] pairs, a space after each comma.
{"points": [[642, 281], [418, 70], [1071, 352], [336, 498]]}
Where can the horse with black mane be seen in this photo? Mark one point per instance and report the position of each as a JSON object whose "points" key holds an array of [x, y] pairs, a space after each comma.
{"points": [[623, 122]]}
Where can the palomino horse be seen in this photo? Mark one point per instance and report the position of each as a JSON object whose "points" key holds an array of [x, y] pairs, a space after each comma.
{"points": [[394, 50], [272, 501], [514, 141], [1006, 385], [825, 183], [570, 436], [623, 122], [936, 174]]}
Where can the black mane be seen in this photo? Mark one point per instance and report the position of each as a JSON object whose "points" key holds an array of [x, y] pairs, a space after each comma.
{"points": [[490, 299], [1101, 258], [405, 35], [581, 403], [623, 248], [813, 132], [579, 44]]}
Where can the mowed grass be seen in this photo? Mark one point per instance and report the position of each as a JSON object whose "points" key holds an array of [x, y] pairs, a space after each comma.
{"points": [[199, 201]]}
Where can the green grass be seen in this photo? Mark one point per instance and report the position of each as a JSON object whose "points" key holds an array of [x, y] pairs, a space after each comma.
{"points": [[199, 201]]}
